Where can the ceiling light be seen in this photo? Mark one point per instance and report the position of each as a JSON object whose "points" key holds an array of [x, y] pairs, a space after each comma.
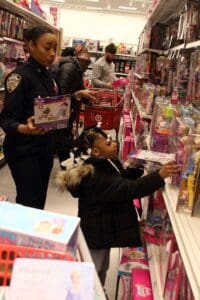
{"points": [[127, 7], [143, 5], [94, 8], [60, 1], [92, 0]]}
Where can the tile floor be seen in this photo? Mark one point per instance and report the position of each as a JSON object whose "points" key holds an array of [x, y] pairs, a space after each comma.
{"points": [[63, 203]]}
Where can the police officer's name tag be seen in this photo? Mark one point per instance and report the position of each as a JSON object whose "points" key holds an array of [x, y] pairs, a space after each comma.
{"points": [[52, 112], [13, 81]]}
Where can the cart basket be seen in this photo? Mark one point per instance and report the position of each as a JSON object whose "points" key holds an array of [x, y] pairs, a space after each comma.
{"points": [[107, 110], [8, 253]]}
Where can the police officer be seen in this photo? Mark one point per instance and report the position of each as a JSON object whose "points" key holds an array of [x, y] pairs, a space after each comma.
{"points": [[28, 149]]}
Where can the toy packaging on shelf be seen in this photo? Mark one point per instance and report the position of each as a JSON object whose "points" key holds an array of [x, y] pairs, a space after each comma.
{"points": [[131, 258], [173, 280], [141, 285], [152, 156], [25, 226], [51, 279], [161, 126], [188, 196], [52, 112]]}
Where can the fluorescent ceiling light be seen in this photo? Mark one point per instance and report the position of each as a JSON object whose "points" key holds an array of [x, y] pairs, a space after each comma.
{"points": [[92, 0], [60, 1], [94, 8], [127, 7]]}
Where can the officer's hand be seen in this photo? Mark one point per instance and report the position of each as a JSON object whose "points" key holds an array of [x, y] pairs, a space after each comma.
{"points": [[109, 86], [169, 169], [87, 94], [30, 128]]}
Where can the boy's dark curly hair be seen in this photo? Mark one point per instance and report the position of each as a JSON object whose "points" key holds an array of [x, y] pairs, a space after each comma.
{"points": [[86, 140]]}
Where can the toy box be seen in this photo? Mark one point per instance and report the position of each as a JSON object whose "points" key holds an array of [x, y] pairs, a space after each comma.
{"points": [[189, 191], [51, 279], [174, 277], [152, 156], [131, 258], [52, 112], [141, 285], [37, 228]]}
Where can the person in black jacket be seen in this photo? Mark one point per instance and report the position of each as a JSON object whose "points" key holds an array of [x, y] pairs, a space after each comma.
{"points": [[28, 149], [68, 73], [106, 192]]}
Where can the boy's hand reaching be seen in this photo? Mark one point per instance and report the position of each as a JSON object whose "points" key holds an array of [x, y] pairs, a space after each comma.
{"points": [[169, 169]]}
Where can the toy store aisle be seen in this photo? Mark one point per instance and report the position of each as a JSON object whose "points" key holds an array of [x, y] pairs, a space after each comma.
{"points": [[63, 203]]}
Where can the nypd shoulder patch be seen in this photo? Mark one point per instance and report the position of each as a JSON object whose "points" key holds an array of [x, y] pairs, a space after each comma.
{"points": [[13, 81]]}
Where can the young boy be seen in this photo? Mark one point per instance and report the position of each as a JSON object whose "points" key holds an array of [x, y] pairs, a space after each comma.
{"points": [[106, 192]]}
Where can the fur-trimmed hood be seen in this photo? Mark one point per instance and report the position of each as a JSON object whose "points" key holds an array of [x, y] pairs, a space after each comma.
{"points": [[71, 179]]}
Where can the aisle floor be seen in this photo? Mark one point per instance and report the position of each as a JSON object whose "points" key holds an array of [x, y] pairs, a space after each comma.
{"points": [[62, 203]]}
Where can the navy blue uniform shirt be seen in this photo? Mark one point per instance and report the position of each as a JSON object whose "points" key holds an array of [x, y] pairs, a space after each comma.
{"points": [[22, 85]]}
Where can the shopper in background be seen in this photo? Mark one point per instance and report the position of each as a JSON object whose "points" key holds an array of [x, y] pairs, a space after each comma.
{"points": [[103, 73], [28, 149], [69, 76], [106, 192]]}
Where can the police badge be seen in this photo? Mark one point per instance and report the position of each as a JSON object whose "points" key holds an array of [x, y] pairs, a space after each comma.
{"points": [[13, 81]]}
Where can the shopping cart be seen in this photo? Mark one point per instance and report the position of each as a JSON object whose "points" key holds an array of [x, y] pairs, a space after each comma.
{"points": [[106, 109], [8, 253]]}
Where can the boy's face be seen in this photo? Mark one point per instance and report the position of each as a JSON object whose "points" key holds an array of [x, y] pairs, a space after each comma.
{"points": [[105, 148]]}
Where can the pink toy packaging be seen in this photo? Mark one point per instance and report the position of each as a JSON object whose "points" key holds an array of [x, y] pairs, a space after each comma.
{"points": [[131, 258], [141, 285], [173, 280], [126, 148]]}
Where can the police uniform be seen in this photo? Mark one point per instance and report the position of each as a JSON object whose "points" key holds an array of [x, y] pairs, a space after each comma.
{"points": [[30, 157]]}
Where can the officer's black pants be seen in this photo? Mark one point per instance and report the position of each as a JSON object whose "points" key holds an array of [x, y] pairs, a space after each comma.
{"points": [[31, 176]]}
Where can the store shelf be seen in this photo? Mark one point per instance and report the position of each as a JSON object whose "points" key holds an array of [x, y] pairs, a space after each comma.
{"points": [[165, 10], [153, 257], [121, 74], [186, 229], [13, 40], [151, 50], [85, 256], [140, 109], [26, 14], [117, 54], [141, 76], [193, 44]]}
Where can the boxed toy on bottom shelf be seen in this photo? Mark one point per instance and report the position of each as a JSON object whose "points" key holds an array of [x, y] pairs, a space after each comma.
{"points": [[51, 279], [21, 225], [131, 258]]}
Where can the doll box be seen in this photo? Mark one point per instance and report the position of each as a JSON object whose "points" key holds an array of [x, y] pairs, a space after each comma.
{"points": [[153, 156], [52, 112], [131, 258], [25, 226], [44, 279], [141, 285]]}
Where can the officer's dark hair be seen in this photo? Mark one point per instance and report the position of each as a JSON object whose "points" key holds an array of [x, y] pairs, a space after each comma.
{"points": [[87, 139], [111, 48], [34, 33]]}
